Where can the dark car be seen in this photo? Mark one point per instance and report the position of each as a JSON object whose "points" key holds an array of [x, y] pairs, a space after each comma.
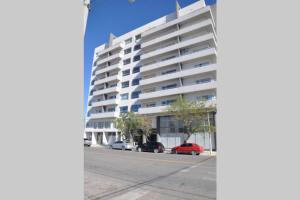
{"points": [[188, 148], [155, 147]]}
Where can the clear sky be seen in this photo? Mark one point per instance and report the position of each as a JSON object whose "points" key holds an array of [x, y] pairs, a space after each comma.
{"points": [[119, 17]]}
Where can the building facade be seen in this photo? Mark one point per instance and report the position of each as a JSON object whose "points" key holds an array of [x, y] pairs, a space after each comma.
{"points": [[144, 71]]}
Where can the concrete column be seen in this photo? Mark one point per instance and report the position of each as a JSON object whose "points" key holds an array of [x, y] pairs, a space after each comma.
{"points": [[158, 138], [94, 141], [144, 139], [104, 139]]}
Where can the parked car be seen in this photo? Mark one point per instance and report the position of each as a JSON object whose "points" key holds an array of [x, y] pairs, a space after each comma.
{"points": [[87, 142], [188, 148], [122, 145], [155, 147]]}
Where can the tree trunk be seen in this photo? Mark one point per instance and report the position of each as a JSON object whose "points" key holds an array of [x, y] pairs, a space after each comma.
{"points": [[209, 134]]}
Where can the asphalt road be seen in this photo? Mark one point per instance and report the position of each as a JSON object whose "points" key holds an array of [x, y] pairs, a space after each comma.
{"points": [[126, 175]]}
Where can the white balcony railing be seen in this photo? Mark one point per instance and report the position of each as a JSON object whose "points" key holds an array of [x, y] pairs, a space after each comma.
{"points": [[200, 25], [179, 74], [179, 90], [175, 46], [109, 68], [176, 21], [178, 59], [108, 79]]}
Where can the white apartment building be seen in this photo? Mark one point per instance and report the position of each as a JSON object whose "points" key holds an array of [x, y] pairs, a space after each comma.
{"points": [[144, 71]]}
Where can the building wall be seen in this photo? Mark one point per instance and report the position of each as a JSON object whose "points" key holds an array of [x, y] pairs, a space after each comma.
{"points": [[107, 72]]}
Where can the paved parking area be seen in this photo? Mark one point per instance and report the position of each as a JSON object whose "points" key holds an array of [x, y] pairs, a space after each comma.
{"points": [[126, 175]]}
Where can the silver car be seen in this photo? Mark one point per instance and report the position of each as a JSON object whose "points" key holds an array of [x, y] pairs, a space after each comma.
{"points": [[122, 145], [87, 142]]}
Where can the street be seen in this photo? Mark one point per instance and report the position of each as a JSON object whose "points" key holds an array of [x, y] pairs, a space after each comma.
{"points": [[126, 175]]}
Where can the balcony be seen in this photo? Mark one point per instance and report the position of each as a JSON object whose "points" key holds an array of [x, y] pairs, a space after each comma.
{"points": [[108, 79], [109, 68], [110, 58], [188, 29], [104, 115], [106, 91], [176, 46], [176, 21], [179, 90], [113, 47], [179, 74], [106, 102], [179, 59], [152, 110]]}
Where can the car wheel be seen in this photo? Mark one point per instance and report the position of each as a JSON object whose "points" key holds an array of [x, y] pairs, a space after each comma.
{"points": [[155, 150], [139, 149], [194, 153]]}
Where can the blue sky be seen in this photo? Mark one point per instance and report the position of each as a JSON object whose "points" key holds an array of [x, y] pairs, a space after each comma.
{"points": [[119, 18]]}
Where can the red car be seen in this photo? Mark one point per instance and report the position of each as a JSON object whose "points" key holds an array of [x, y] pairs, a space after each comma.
{"points": [[188, 148]]}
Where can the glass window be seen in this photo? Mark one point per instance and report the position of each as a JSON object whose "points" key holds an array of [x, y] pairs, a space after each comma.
{"points": [[100, 124], [111, 110], [126, 72], [123, 109], [136, 58], [136, 69], [135, 107], [125, 84], [205, 80], [124, 96], [127, 51], [137, 47], [137, 37], [201, 64], [168, 102], [128, 41], [135, 81], [135, 94], [169, 71], [169, 86], [107, 124], [126, 62]]}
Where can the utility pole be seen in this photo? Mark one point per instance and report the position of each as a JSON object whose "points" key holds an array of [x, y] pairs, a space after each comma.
{"points": [[87, 8]]}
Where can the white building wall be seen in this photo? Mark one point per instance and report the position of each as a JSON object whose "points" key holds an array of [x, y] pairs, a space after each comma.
{"points": [[149, 32]]}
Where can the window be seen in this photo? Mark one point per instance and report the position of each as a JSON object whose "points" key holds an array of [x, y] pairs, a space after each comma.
{"points": [[137, 37], [111, 110], [135, 107], [168, 102], [148, 105], [206, 80], [112, 97], [109, 53], [135, 81], [136, 69], [137, 47], [205, 97], [169, 71], [107, 124], [124, 96], [169, 86], [127, 51], [123, 109], [136, 58], [125, 84], [100, 124], [201, 64], [135, 94], [126, 72], [127, 61], [128, 41]]}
